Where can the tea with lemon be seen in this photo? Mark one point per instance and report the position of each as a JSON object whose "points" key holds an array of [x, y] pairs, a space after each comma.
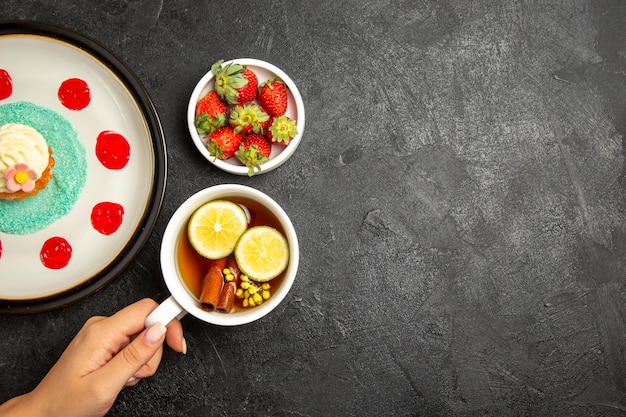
{"points": [[193, 267]]}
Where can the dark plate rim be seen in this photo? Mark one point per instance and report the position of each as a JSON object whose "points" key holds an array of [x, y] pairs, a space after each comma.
{"points": [[155, 200]]}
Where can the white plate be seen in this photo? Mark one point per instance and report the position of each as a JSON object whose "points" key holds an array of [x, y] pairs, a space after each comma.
{"points": [[39, 58]]}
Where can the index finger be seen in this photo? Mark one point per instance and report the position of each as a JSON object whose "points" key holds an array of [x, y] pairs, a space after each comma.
{"points": [[129, 321]]}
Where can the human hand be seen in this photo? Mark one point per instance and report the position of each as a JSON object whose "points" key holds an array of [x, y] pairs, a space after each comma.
{"points": [[106, 355]]}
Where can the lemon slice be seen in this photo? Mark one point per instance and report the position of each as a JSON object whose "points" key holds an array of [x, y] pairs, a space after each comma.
{"points": [[215, 227], [262, 253]]}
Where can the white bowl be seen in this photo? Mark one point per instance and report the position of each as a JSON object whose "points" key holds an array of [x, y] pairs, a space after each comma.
{"points": [[295, 110]]}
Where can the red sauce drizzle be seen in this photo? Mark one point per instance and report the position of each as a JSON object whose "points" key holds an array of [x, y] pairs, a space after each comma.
{"points": [[112, 150], [74, 94], [55, 253], [6, 84], [106, 217]]}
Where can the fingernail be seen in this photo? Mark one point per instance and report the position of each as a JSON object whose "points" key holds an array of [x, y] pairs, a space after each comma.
{"points": [[155, 333], [131, 380], [184, 346]]}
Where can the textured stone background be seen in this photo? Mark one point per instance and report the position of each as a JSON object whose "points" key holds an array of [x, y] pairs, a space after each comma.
{"points": [[459, 199]]}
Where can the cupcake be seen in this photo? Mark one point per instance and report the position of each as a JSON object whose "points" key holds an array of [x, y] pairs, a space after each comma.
{"points": [[25, 162]]}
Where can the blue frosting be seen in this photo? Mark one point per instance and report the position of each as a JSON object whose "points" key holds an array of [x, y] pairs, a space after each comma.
{"points": [[69, 173]]}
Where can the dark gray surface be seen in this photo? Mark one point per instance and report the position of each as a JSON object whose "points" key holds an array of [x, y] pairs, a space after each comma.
{"points": [[458, 194]]}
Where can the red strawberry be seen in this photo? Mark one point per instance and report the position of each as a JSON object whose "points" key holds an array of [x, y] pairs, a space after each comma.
{"points": [[248, 118], [273, 97], [224, 142], [210, 104], [254, 151], [262, 144], [235, 83], [210, 113], [248, 92], [281, 131]]}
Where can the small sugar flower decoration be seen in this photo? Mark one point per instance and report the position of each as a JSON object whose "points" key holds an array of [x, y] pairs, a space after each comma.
{"points": [[20, 178]]}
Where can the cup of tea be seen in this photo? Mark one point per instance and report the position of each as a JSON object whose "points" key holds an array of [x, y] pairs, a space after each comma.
{"points": [[184, 269]]}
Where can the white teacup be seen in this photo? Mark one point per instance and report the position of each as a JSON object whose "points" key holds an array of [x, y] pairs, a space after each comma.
{"points": [[181, 300]]}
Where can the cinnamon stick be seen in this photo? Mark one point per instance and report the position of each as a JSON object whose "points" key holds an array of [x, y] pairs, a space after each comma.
{"points": [[212, 285], [227, 298]]}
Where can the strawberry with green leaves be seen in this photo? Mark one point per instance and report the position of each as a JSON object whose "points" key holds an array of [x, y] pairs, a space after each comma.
{"points": [[234, 83], [224, 142], [254, 151], [272, 95], [281, 130], [248, 118], [211, 113]]}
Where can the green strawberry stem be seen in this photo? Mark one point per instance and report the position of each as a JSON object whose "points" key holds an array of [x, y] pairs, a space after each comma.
{"points": [[206, 124], [283, 129], [248, 114], [228, 79], [251, 158]]}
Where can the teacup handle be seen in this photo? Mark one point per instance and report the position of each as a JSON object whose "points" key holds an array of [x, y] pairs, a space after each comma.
{"points": [[166, 312]]}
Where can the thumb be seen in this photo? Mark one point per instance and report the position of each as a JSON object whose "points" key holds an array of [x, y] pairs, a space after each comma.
{"points": [[135, 355]]}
